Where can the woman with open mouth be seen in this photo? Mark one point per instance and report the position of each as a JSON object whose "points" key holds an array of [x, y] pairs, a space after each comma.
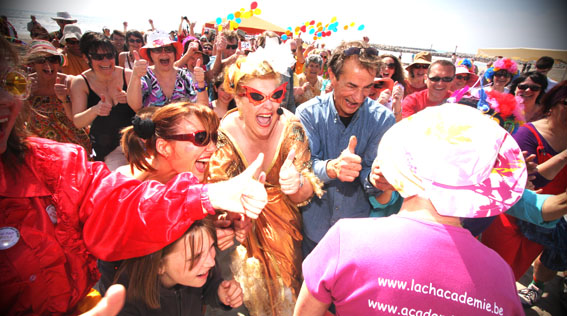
{"points": [[51, 115], [98, 98], [530, 87], [309, 82], [156, 81], [502, 72], [260, 126]]}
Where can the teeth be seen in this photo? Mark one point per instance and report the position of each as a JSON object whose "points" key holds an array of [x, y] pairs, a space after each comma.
{"points": [[3, 120]]}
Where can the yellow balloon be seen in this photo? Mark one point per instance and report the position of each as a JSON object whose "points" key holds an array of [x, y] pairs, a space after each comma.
{"points": [[352, 24], [233, 25], [247, 14], [307, 23], [257, 11], [241, 9], [334, 19], [220, 28], [319, 24]]}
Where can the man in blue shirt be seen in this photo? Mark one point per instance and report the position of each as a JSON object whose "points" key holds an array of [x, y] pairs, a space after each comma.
{"points": [[344, 128]]}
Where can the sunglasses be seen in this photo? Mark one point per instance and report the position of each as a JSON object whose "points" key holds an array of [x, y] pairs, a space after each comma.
{"points": [[420, 66], [461, 77], [532, 87], [444, 79], [50, 59], [95, 56], [379, 85], [502, 74], [235, 46], [72, 42], [390, 66], [135, 40], [368, 52], [166, 49], [257, 97], [16, 84], [198, 138]]}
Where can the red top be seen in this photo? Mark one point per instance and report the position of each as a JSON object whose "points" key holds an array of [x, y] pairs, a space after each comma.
{"points": [[418, 101], [69, 212]]}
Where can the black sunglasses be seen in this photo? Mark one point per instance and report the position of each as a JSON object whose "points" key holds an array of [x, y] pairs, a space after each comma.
{"points": [[502, 73], [422, 66], [461, 77], [369, 52], [198, 138], [444, 79], [390, 66], [135, 40], [167, 49], [532, 87], [235, 46], [379, 85], [50, 59], [96, 56]]}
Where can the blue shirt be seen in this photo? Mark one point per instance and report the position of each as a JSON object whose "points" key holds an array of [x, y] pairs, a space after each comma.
{"points": [[328, 137]]}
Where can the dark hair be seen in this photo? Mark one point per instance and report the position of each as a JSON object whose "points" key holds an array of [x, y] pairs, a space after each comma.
{"points": [[117, 32], [138, 148], [143, 272], [369, 62], [544, 62], [554, 96], [91, 42], [442, 63], [398, 75], [217, 82], [134, 33], [535, 77], [261, 39]]}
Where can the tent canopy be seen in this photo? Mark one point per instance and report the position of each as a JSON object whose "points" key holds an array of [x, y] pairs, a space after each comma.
{"points": [[253, 25], [524, 54]]}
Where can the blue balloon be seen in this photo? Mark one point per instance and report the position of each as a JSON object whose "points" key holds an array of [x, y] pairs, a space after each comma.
{"points": [[284, 37], [219, 21], [319, 34], [238, 20], [361, 27], [289, 28], [311, 31], [230, 17]]}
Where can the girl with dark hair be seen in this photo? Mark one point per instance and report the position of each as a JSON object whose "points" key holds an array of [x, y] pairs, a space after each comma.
{"points": [[530, 87], [134, 41], [98, 98], [222, 100]]}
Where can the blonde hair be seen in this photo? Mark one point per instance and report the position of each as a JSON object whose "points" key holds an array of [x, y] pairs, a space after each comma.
{"points": [[246, 69]]}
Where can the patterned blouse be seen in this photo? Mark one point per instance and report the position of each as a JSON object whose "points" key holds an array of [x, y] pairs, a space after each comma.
{"points": [[152, 94]]}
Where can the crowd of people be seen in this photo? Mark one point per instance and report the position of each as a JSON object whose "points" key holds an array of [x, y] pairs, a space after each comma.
{"points": [[155, 173]]}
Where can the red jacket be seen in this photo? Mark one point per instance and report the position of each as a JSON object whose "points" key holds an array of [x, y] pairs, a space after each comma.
{"points": [[68, 212]]}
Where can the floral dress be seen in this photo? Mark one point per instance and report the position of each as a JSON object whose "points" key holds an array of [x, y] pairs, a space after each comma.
{"points": [[152, 94]]}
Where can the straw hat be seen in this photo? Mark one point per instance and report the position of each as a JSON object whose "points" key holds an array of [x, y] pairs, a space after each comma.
{"points": [[71, 31], [458, 158], [159, 39], [421, 58], [64, 16]]}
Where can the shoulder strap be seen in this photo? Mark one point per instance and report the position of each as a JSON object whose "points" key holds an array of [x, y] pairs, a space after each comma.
{"points": [[540, 150], [86, 81]]}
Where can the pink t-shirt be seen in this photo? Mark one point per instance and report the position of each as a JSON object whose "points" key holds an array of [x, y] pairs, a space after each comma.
{"points": [[402, 266]]}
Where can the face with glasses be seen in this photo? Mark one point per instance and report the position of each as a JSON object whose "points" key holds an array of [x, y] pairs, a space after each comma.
{"points": [[46, 66], [439, 81], [102, 61], [134, 43], [501, 78], [190, 148], [72, 46], [419, 70], [388, 67], [528, 90], [460, 81], [258, 101], [163, 57]]}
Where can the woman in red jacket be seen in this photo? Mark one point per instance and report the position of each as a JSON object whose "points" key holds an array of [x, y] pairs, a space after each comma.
{"points": [[59, 212]]}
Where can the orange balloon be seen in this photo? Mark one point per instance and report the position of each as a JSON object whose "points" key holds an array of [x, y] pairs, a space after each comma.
{"points": [[237, 14], [314, 38], [346, 27]]}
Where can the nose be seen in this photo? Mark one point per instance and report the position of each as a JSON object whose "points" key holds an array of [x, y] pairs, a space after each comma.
{"points": [[360, 94], [210, 259]]}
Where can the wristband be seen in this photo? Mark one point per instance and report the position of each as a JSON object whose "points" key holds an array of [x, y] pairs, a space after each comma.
{"points": [[195, 85], [205, 201]]}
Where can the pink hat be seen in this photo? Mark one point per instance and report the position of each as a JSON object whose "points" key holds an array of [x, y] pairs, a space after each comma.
{"points": [[458, 158], [464, 70], [159, 39]]}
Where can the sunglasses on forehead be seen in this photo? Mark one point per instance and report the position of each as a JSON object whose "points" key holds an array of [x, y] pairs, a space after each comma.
{"points": [[96, 56], [167, 49], [198, 138], [16, 83], [50, 59], [257, 97], [444, 79], [369, 52]]}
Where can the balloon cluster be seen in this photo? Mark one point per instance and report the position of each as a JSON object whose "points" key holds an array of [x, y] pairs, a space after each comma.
{"points": [[235, 18], [318, 30]]}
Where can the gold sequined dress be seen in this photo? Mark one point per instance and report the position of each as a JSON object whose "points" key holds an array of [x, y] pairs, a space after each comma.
{"points": [[275, 239]]}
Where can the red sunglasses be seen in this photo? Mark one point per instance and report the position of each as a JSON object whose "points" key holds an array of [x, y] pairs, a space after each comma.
{"points": [[198, 138], [257, 97]]}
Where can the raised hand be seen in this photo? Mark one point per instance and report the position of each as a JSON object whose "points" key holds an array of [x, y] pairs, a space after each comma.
{"points": [[377, 178], [140, 65], [241, 228], [62, 87], [103, 107], [120, 96], [348, 165], [199, 73], [230, 293], [290, 178], [225, 233]]}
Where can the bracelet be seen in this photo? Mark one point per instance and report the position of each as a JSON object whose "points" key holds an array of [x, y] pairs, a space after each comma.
{"points": [[205, 201], [196, 86]]}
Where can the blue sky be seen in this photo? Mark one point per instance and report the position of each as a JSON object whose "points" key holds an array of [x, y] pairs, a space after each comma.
{"points": [[440, 24]]}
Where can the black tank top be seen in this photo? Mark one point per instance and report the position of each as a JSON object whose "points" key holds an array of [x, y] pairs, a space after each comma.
{"points": [[105, 130]]}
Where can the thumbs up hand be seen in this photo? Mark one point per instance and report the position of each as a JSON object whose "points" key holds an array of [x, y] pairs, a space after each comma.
{"points": [[290, 178], [199, 73], [347, 166], [103, 107], [140, 65], [62, 87], [120, 96]]}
